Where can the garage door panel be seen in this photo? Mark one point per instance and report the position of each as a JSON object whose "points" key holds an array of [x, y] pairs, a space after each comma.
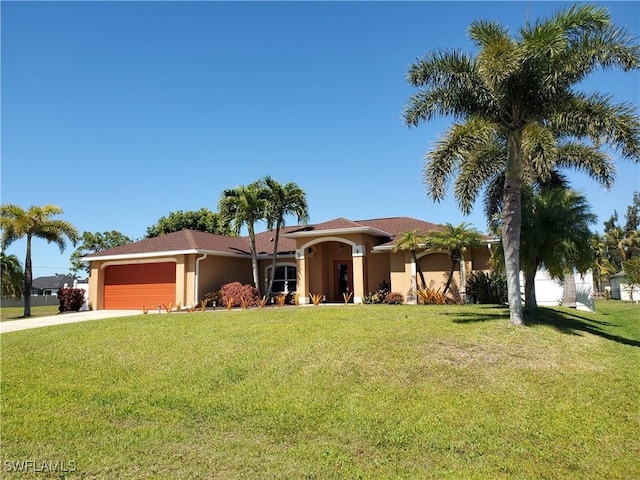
{"points": [[138, 286]]}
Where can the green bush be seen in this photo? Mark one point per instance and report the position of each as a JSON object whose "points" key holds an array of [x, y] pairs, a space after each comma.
{"points": [[487, 289], [213, 298]]}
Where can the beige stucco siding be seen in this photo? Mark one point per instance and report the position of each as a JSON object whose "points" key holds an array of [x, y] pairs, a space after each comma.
{"points": [[377, 270], [480, 258], [214, 272], [435, 267]]}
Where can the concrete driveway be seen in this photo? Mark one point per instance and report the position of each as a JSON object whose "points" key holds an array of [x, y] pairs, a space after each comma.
{"points": [[27, 323]]}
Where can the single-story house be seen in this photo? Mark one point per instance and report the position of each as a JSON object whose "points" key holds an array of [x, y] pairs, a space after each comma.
{"points": [[620, 289], [330, 258], [51, 285]]}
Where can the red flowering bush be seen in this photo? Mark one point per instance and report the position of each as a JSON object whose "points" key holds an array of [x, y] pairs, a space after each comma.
{"points": [[237, 291], [71, 299]]}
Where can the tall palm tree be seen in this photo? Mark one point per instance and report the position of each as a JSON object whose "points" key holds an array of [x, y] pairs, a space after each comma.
{"points": [[282, 200], [12, 276], [17, 223], [240, 207], [456, 239], [412, 241], [520, 93]]}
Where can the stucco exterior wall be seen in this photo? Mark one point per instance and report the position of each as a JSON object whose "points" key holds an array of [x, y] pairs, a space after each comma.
{"points": [[435, 267], [480, 258], [217, 271], [377, 270]]}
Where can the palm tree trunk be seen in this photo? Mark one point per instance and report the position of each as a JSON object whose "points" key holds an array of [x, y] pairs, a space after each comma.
{"points": [[463, 279], [273, 263], [254, 260], [28, 280], [511, 223], [569, 294], [446, 287], [415, 260], [530, 302]]}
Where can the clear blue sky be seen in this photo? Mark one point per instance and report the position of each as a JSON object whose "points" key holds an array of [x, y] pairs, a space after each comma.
{"points": [[121, 112]]}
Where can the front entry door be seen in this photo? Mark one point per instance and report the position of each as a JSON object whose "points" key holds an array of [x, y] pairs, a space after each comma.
{"points": [[343, 279]]}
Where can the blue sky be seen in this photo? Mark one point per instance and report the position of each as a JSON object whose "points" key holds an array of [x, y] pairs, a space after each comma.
{"points": [[121, 112]]}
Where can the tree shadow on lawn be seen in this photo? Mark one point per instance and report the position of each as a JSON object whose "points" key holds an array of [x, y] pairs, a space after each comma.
{"points": [[567, 322]]}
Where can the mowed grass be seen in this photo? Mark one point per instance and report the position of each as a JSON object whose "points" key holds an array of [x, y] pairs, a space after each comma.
{"points": [[329, 392], [15, 313]]}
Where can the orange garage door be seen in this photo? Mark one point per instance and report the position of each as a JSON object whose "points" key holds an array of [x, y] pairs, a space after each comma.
{"points": [[132, 287]]}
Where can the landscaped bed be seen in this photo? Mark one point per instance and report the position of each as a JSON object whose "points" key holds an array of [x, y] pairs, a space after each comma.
{"points": [[367, 391]]}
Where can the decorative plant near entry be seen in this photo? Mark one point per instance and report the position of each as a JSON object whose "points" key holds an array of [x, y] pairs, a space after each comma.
{"points": [[203, 305], [347, 297], [431, 296], [296, 299], [316, 299], [282, 298], [168, 308], [229, 303], [262, 301]]}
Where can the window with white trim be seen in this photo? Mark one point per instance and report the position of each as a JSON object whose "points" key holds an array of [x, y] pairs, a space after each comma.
{"points": [[284, 279]]}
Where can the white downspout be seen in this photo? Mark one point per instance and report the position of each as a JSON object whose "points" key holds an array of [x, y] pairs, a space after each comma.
{"points": [[197, 279]]}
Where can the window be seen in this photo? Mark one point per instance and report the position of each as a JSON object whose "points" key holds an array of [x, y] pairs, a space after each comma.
{"points": [[284, 279]]}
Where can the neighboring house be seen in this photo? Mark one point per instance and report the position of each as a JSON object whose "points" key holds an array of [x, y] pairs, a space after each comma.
{"points": [[620, 288], [549, 290], [44, 291], [50, 285], [331, 258]]}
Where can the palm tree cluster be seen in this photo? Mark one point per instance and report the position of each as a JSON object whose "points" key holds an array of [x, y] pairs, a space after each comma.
{"points": [[456, 240], [263, 200], [519, 116]]}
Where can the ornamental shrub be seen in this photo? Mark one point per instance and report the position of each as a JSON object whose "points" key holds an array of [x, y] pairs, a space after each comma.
{"points": [[71, 299], [394, 298], [238, 292], [211, 297], [487, 289]]}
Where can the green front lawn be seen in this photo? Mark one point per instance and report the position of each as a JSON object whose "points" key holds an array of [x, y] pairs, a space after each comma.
{"points": [[328, 392], [15, 313]]}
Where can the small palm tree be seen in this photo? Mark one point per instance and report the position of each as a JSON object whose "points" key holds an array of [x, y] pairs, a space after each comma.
{"points": [[17, 223], [12, 276], [602, 268], [455, 239], [240, 207], [555, 234], [518, 94], [412, 241], [280, 201]]}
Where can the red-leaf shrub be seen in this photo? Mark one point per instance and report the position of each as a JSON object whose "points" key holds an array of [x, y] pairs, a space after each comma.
{"points": [[71, 299], [237, 291], [394, 298]]}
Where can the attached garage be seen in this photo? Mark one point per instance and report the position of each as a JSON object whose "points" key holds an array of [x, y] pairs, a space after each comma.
{"points": [[134, 286]]}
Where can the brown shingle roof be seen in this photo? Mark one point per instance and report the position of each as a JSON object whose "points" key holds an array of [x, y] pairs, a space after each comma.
{"points": [[195, 241], [184, 240]]}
